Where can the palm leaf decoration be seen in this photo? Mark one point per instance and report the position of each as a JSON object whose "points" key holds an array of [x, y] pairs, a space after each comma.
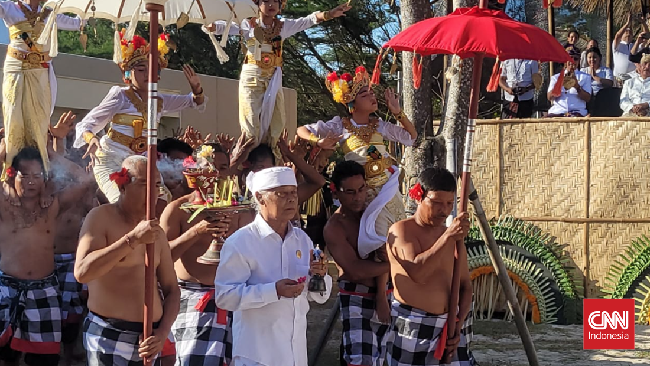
{"points": [[549, 253]]}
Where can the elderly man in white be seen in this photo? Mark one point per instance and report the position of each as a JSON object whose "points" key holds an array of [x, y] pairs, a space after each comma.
{"points": [[636, 91], [262, 277]]}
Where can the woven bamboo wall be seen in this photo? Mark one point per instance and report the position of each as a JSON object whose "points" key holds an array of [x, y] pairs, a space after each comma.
{"points": [[584, 181]]}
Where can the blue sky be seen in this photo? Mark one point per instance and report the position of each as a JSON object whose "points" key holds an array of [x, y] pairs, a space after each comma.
{"points": [[4, 34]]}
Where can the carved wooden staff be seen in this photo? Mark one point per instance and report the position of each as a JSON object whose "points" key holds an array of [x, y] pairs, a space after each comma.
{"points": [[154, 7]]}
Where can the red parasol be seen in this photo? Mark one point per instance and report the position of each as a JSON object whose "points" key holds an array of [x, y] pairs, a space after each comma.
{"points": [[468, 32], [474, 32]]}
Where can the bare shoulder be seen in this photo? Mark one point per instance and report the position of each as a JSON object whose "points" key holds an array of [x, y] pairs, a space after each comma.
{"points": [[403, 227], [103, 213], [334, 224]]}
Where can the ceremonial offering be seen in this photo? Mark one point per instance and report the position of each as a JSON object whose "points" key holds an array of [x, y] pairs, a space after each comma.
{"points": [[317, 282], [213, 195]]}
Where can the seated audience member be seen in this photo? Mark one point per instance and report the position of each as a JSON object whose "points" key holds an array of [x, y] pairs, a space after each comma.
{"points": [[636, 91], [571, 102], [601, 76], [583, 56]]}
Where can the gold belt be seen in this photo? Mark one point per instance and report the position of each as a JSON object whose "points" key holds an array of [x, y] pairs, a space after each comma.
{"points": [[376, 171], [29, 59], [137, 144], [268, 61]]}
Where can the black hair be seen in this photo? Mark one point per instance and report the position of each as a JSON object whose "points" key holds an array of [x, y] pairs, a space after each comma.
{"points": [[28, 154], [168, 145], [595, 50], [263, 151], [345, 170], [437, 179], [574, 31]]}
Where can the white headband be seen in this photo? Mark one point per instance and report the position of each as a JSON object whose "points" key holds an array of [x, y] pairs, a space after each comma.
{"points": [[270, 178]]}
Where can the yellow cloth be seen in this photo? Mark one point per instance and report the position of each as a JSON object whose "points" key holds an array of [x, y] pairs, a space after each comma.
{"points": [[253, 86], [26, 101]]}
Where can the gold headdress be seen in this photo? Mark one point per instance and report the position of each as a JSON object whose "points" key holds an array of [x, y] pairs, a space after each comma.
{"points": [[345, 88], [137, 50]]}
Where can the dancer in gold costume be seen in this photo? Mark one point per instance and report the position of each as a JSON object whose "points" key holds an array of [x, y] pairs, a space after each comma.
{"points": [[29, 86], [126, 109]]}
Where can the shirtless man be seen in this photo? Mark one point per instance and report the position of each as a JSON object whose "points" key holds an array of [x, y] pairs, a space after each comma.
{"points": [[110, 260], [201, 330], [27, 268], [421, 253], [363, 341], [68, 226]]}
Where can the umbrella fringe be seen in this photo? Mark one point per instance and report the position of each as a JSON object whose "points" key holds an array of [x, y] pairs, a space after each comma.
{"points": [[417, 71], [222, 56], [557, 88], [376, 72], [50, 32], [557, 3], [493, 85], [117, 46], [133, 24]]}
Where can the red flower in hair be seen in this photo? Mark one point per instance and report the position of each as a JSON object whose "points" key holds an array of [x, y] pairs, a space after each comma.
{"points": [[416, 192], [138, 42], [360, 70], [332, 187], [332, 76], [189, 162], [164, 37], [11, 172], [347, 77], [120, 178]]}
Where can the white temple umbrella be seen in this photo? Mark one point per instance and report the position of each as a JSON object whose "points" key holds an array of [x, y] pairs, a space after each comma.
{"points": [[179, 12]]}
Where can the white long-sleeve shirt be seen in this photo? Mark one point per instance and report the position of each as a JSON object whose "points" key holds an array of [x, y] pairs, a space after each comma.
{"points": [[334, 127], [569, 101], [116, 102], [11, 14], [289, 26], [266, 330], [635, 91]]}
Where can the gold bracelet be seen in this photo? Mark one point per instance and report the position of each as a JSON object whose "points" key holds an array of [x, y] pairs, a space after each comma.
{"points": [[88, 136], [313, 139], [400, 116], [327, 16]]}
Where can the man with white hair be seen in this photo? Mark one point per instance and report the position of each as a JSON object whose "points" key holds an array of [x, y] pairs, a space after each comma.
{"points": [[262, 275], [635, 96], [110, 259]]}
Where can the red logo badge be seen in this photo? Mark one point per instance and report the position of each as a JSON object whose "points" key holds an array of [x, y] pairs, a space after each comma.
{"points": [[608, 324]]}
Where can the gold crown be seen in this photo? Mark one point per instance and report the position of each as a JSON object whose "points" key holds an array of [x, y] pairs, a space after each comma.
{"points": [[138, 49], [345, 88]]}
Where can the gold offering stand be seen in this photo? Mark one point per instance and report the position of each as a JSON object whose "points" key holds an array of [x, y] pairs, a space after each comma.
{"points": [[215, 205]]}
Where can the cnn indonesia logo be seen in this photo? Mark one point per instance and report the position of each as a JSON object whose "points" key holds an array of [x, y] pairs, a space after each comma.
{"points": [[608, 324]]}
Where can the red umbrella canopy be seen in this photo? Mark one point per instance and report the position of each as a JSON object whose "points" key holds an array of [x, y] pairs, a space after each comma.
{"points": [[468, 32]]}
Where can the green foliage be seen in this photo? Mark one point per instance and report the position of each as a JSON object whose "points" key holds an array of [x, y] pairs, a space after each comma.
{"points": [[100, 41], [627, 268]]}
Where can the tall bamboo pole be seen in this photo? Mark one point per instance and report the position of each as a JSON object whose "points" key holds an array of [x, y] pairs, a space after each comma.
{"points": [[152, 153], [551, 30], [610, 33]]}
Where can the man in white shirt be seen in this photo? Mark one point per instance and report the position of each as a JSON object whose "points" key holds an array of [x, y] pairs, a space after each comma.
{"points": [[636, 91], [571, 102], [622, 45], [262, 275], [517, 83]]}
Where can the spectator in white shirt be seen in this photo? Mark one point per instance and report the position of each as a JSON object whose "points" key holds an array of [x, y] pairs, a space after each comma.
{"points": [[262, 277], [571, 102], [622, 45], [636, 91], [583, 56], [601, 76], [517, 83]]}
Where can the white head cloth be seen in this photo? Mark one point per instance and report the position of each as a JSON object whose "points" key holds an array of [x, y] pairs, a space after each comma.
{"points": [[271, 178]]}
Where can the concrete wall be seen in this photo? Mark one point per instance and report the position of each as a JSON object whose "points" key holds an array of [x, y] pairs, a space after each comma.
{"points": [[84, 81]]}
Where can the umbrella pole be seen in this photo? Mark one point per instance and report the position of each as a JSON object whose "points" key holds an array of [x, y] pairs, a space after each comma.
{"points": [[152, 154], [454, 296]]}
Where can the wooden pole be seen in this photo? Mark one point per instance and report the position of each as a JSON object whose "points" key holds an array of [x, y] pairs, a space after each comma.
{"points": [[610, 33], [152, 154], [551, 30], [502, 275]]}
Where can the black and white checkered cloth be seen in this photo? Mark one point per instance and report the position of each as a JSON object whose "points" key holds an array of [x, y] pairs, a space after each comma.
{"points": [[202, 332], [113, 342], [415, 335], [363, 338], [71, 290], [30, 314]]}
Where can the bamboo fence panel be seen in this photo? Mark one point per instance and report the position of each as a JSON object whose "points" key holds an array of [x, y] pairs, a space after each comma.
{"points": [[585, 181]]}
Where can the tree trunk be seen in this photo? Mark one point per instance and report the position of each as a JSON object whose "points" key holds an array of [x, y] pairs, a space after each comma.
{"points": [[538, 16], [418, 104]]}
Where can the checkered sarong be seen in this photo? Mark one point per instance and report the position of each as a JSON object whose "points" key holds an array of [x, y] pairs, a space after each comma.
{"points": [[113, 342], [416, 334], [363, 335], [30, 314], [202, 332], [73, 305]]}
